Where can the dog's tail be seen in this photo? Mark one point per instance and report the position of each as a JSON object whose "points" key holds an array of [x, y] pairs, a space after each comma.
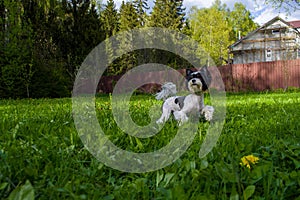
{"points": [[168, 89]]}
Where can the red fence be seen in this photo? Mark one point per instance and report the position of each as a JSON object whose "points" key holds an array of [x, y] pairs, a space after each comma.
{"points": [[261, 76], [239, 77]]}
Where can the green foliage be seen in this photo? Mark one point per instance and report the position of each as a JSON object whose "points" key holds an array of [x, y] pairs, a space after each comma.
{"points": [[241, 21], [141, 7], [128, 17], [217, 27], [167, 14], [42, 155], [44, 43], [110, 18], [16, 60], [24, 192], [128, 21], [211, 29], [79, 31]]}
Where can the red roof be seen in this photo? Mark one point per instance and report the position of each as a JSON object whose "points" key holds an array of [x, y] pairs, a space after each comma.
{"points": [[295, 24]]}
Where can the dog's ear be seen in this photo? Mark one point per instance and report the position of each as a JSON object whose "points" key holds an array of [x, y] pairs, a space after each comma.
{"points": [[206, 75], [188, 72], [204, 70]]}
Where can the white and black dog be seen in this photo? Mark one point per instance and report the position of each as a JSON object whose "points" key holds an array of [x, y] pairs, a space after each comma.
{"points": [[181, 106]]}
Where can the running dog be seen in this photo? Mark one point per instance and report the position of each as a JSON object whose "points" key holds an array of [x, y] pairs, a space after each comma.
{"points": [[182, 106]]}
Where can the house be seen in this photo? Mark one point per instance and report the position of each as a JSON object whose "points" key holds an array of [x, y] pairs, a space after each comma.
{"points": [[275, 40], [295, 24]]}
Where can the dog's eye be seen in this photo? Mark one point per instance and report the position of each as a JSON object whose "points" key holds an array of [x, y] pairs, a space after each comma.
{"points": [[195, 75]]}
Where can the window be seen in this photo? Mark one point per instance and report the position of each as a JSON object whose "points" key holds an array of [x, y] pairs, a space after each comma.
{"points": [[268, 55], [275, 31]]}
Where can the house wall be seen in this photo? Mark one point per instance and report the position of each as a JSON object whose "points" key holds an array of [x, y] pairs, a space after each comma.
{"points": [[275, 42]]}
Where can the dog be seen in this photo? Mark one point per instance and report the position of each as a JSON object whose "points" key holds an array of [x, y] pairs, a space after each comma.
{"points": [[198, 82]]}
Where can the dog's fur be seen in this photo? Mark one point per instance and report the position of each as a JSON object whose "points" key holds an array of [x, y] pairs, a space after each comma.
{"points": [[181, 106]]}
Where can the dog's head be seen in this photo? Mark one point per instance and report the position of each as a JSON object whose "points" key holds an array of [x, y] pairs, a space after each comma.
{"points": [[198, 81]]}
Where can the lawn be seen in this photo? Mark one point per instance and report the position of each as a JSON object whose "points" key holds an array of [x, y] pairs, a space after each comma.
{"points": [[42, 156]]}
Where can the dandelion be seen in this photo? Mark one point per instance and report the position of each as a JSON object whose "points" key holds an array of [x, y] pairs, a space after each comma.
{"points": [[247, 160]]}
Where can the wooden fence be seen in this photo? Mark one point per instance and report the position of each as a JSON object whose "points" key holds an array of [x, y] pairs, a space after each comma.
{"points": [[261, 76], [239, 77]]}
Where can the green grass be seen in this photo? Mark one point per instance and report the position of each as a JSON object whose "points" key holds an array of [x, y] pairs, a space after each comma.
{"points": [[42, 156]]}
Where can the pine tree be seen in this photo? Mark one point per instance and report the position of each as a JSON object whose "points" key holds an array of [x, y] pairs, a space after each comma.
{"points": [[110, 22], [110, 18], [49, 78], [128, 17], [168, 14], [158, 14], [128, 21], [141, 7], [16, 48], [179, 15]]}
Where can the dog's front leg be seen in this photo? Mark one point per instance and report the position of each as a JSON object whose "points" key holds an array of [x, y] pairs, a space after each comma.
{"points": [[208, 112], [181, 117]]}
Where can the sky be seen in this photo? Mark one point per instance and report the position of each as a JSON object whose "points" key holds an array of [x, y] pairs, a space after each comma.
{"points": [[260, 12]]}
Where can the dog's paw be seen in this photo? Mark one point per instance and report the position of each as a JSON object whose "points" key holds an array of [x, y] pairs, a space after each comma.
{"points": [[208, 112], [160, 121]]}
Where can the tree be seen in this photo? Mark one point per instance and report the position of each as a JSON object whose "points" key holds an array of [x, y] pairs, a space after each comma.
{"points": [[43, 43], [110, 19], [128, 20], [16, 44], [217, 27], [168, 14], [241, 21], [76, 32], [141, 6], [180, 14], [49, 78], [210, 27], [288, 5], [128, 17]]}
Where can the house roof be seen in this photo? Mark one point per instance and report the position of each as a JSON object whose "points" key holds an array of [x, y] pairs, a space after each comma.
{"points": [[292, 24], [295, 24]]}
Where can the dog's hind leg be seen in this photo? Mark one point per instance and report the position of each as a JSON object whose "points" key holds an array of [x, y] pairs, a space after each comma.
{"points": [[164, 116], [181, 117]]}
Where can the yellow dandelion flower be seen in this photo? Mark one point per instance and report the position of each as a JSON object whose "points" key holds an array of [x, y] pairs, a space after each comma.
{"points": [[247, 160]]}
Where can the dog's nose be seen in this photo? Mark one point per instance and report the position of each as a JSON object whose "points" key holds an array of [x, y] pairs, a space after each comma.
{"points": [[193, 81]]}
